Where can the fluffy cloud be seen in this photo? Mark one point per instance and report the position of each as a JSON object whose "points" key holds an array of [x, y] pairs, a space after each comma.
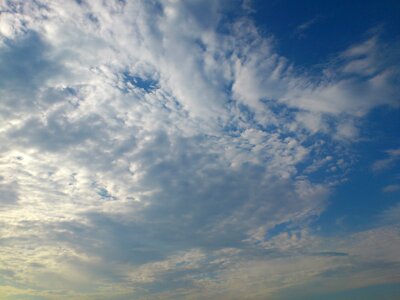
{"points": [[151, 148]]}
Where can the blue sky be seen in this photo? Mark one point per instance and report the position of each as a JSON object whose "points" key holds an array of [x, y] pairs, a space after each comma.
{"points": [[199, 149]]}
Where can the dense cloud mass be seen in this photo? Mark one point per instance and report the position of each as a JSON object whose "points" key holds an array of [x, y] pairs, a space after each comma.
{"points": [[161, 150]]}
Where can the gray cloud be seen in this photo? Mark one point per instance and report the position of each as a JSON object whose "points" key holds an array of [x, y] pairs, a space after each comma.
{"points": [[9, 194]]}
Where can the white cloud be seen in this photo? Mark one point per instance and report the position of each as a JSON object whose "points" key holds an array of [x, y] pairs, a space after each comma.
{"points": [[140, 143]]}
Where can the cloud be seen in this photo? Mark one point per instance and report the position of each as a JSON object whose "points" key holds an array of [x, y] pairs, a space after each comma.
{"points": [[8, 194], [150, 149], [386, 163], [300, 31], [391, 215], [391, 188]]}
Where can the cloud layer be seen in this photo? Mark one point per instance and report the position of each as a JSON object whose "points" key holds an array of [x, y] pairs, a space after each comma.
{"points": [[163, 150]]}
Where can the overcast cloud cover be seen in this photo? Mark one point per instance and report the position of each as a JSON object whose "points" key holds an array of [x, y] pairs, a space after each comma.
{"points": [[166, 150]]}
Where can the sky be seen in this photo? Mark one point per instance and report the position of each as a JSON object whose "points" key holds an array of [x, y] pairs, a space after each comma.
{"points": [[199, 149]]}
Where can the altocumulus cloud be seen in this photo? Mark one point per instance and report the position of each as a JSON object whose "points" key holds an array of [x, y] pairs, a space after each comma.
{"points": [[163, 150]]}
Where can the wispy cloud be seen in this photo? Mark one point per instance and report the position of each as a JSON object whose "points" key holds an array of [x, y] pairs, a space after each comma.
{"points": [[391, 188], [392, 157], [301, 30]]}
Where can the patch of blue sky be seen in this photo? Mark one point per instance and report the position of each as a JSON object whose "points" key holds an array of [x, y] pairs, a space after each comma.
{"points": [[103, 193], [146, 84], [247, 115], [356, 202], [280, 228], [244, 115], [92, 18], [338, 24], [325, 160], [279, 109]]}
